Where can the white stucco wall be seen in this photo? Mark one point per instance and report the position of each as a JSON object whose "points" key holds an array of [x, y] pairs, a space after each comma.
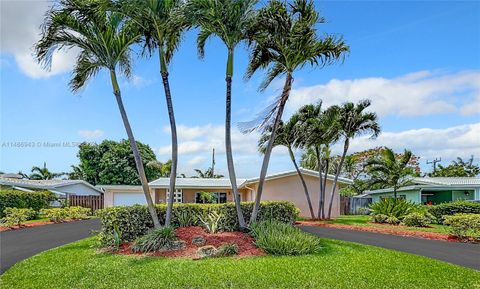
{"points": [[78, 189]]}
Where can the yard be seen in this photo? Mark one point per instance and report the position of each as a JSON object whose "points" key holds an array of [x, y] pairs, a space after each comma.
{"points": [[339, 265]]}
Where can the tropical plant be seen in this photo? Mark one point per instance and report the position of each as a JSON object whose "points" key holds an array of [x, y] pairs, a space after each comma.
{"points": [[77, 212], [207, 197], [417, 219], [104, 41], [229, 20], [56, 215], [211, 221], [392, 208], [464, 225], [206, 174], [155, 240], [185, 218], [17, 216], [388, 171], [227, 250], [44, 173], [458, 168], [284, 39]]}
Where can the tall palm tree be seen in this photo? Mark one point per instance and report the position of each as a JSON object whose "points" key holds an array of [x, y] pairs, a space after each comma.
{"points": [[390, 171], [44, 173], [104, 40], [286, 137], [230, 21], [284, 39], [353, 122], [162, 24]]}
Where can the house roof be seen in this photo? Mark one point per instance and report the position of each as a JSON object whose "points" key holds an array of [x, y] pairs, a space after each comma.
{"points": [[183, 183], [43, 184], [304, 172], [428, 183]]}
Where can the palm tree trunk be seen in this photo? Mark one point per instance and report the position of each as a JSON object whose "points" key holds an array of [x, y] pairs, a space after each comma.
{"points": [[302, 179], [324, 188], [339, 169], [136, 153], [321, 210], [228, 140], [266, 157]]}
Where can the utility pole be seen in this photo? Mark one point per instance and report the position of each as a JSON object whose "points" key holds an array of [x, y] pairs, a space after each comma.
{"points": [[434, 162], [213, 163]]}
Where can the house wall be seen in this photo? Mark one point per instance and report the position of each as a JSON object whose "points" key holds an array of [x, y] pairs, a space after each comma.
{"points": [[78, 189], [290, 189], [189, 194], [412, 196], [109, 195], [460, 195]]}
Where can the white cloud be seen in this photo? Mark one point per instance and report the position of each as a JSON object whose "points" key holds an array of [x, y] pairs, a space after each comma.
{"points": [[91, 134], [196, 161], [19, 30], [419, 93]]}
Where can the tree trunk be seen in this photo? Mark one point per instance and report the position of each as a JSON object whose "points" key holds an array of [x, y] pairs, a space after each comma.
{"points": [[324, 188], [302, 179], [321, 210], [228, 140], [339, 169], [173, 128], [136, 153], [266, 157]]}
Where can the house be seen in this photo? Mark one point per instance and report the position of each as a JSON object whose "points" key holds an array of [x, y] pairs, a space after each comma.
{"points": [[434, 190], [284, 186]]}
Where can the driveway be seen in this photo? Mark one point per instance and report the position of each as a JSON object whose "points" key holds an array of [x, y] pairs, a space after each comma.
{"points": [[463, 254], [17, 245]]}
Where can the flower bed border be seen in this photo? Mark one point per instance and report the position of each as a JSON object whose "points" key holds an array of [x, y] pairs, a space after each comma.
{"points": [[33, 225]]}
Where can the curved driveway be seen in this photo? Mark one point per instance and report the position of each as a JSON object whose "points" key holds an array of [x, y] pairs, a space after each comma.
{"points": [[17, 245], [463, 254]]}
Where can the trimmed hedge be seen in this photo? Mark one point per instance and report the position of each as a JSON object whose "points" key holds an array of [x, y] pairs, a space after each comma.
{"points": [[452, 208], [19, 199], [135, 221]]}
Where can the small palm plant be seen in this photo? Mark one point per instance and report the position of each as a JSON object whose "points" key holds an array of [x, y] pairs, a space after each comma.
{"points": [[104, 40]]}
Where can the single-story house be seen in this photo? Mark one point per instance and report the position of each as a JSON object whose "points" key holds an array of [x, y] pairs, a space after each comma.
{"points": [[285, 186], [434, 190]]}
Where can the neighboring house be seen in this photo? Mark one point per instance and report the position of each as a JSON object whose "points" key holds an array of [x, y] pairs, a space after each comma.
{"points": [[434, 190], [284, 186], [61, 188]]}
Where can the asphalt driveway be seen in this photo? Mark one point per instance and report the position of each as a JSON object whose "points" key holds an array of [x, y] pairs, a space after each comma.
{"points": [[17, 245], [463, 254]]}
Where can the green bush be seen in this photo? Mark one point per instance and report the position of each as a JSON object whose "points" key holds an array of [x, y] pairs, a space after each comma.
{"points": [[19, 199], [284, 239], [464, 225], [17, 216], [417, 219], [155, 240], [56, 215], [394, 209], [227, 250], [185, 219], [77, 213], [211, 221], [135, 221], [452, 208]]}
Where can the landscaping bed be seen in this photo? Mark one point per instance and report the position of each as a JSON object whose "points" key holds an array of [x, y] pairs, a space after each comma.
{"points": [[30, 224]]}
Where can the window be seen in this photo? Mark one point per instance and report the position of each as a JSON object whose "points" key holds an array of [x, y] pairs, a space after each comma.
{"points": [[220, 197], [177, 196]]}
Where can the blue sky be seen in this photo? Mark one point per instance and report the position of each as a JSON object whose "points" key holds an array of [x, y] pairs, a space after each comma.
{"points": [[418, 62]]}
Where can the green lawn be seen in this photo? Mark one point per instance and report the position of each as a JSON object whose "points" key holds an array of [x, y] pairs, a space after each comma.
{"points": [[340, 265], [362, 220]]}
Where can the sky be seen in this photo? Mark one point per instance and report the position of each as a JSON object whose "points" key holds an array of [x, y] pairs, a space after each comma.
{"points": [[417, 61]]}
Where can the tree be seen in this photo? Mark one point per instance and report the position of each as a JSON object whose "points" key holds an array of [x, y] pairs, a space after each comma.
{"points": [[162, 25], [353, 121], [388, 171], [206, 174], [458, 168], [229, 20], [44, 173], [286, 136], [284, 39], [104, 41], [161, 170]]}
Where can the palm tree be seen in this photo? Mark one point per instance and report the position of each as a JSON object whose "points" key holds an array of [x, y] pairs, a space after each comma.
{"points": [[44, 173], [353, 122], [230, 21], [390, 171], [162, 26], [104, 40], [284, 39], [206, 174]]}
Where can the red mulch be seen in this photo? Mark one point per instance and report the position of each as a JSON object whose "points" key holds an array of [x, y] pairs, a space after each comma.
{"points": [[389, 229], [30, 225], [245, 243]]}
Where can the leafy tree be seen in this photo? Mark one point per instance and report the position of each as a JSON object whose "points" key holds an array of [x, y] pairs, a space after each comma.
{"points": [[229, 20], [388, 171], [104, 41], [458, 168], [206, 174], [284, 39], [44, 173]]}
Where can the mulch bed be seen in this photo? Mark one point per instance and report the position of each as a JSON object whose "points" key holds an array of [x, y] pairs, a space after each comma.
{"points": [[31, 224], [389, 229], [245, 243]]}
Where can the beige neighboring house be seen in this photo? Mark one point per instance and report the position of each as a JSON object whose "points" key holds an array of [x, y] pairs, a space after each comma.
{"points": [[284, 186]]}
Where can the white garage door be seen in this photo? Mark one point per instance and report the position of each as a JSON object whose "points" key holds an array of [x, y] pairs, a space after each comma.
{"points": [[129, 199]]}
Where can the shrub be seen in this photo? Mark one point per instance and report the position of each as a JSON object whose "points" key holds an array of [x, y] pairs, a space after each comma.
{"points": [[417, 219], [135, 221], [227, 250], [19, 199], [380, 218], [394, 209], [211, 221], [452, 208], [392, 220], [464, 225], [284, 239], [17, 216], [155, 240], [77, 213], [56, 215], [185, 219]]}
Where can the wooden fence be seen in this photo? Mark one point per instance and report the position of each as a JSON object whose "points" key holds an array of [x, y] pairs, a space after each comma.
{"points": [[354, 206], [92, 202]]}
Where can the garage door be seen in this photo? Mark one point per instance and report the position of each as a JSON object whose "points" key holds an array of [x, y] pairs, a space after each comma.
{"points": [[129, 199]]}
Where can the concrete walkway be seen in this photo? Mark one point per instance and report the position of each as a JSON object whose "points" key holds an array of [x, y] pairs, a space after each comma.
{"points": [[463, 254], [17, 245]]}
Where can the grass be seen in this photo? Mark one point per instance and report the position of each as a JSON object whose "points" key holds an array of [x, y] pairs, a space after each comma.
{"points": [[339, 265], [363, 220]]}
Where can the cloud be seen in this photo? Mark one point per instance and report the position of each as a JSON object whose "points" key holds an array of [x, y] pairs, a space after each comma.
{"points": [[196, 161], [414, 94], [19, 30], [91, 134]]}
